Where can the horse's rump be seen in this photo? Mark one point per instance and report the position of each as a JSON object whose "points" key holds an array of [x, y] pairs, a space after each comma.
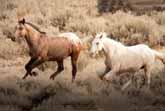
{"points": [[71, 37]]}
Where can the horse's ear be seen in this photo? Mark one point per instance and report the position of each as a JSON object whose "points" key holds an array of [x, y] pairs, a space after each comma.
{"points": [[23, 21], [20, 16]]}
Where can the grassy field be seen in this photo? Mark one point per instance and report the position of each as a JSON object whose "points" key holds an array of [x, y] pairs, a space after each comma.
{"points": [[88, 93]]}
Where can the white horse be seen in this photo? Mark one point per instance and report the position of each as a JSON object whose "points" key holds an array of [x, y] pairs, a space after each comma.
{"points": [[120, 58]]}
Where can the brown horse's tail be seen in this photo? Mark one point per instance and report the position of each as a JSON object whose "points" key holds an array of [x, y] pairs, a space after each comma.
{"points": [[81, 45], [160, 56], [86, 43]]}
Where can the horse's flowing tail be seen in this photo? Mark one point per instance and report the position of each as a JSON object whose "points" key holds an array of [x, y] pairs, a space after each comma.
{"points": [[160, 56]]}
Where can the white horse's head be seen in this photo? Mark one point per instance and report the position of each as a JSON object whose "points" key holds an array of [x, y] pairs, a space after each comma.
{"points": [[97, 44]]}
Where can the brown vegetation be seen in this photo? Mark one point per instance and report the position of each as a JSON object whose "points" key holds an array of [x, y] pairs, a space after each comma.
{"points": [[88, 92]]}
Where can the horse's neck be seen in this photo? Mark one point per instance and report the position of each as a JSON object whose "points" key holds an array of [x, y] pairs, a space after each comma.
{"points": [[32, 37], [111, 46]]}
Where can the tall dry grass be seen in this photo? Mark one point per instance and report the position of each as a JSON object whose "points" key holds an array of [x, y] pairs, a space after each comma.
{"points": [[83, 18]]}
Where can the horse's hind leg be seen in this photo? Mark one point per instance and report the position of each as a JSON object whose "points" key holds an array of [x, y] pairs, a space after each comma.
{"points": [[59, 69], [148, 75], [74, 59], [127, 84]]}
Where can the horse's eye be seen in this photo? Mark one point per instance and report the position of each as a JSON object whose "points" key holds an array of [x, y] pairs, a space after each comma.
{"points": [[97, 43]]}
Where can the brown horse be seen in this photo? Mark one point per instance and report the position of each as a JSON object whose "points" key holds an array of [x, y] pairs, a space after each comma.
{"points": [[43, 48]]}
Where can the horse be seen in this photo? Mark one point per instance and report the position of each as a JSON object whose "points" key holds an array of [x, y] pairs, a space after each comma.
{"points": [[120, 58], [43, 48]]}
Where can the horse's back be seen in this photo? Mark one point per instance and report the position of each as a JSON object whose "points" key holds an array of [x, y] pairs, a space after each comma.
{"points": [[144, 51], [140, 48], [143, 46]]}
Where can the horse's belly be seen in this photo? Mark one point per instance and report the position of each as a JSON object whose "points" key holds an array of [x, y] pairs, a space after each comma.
{"points": [[128, 70], [131, 66], [56, 55], [59, 48]]}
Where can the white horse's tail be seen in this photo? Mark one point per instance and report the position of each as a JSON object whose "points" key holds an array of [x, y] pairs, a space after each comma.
{"points": [[160, 56]]}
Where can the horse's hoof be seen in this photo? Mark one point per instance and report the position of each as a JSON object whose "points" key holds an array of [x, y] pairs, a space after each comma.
{"points": [[34, 73], [72, 80], [105, 79], [52, 77], [24, 77], [101, 78]]}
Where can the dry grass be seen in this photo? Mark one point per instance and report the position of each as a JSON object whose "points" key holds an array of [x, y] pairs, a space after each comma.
{"points": [[88, 92], [82, 17]]}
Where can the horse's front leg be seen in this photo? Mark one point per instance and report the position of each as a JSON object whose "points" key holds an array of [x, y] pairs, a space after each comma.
{"points": [[34, 62], [28, 71], [101, 76], [112, 73], [59, 69]]}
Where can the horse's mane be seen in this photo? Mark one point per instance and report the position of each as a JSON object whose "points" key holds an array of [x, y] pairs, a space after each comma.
{"points": [[107, 37], [114, 41], [35, 27]]}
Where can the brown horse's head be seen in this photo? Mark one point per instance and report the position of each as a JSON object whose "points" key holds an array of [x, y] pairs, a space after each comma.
{"points": [[20, 30], [23, 28]]}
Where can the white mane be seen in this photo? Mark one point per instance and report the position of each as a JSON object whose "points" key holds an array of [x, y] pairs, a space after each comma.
{"points": [[112, 43], [72, 37]]}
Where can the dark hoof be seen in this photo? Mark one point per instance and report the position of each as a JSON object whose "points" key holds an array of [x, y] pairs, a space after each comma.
{"points": [[101, 78], [73, 79], [34, 74], [24, 77], [52, 77]]}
